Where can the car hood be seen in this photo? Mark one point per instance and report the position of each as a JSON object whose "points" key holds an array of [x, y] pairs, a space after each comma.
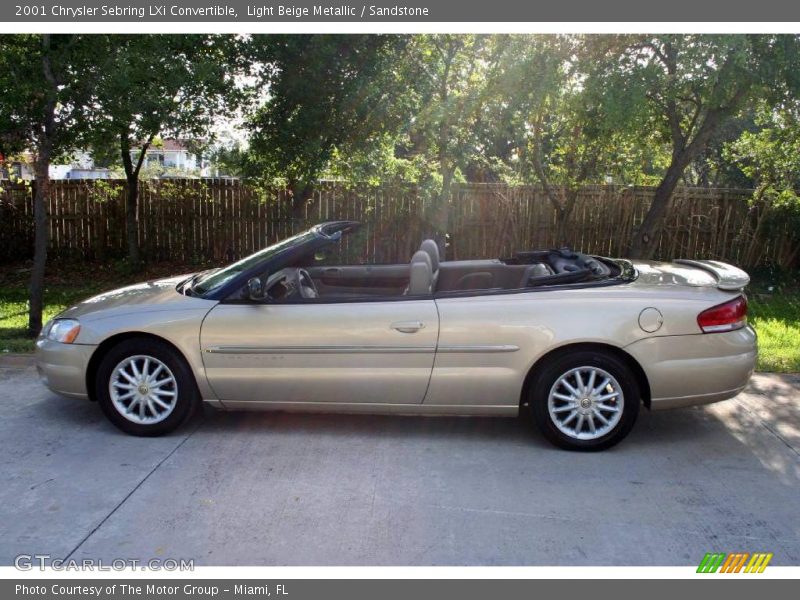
{"points": [[157, 295]]}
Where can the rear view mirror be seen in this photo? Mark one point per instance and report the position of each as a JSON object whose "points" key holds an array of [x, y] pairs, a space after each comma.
{"points": [[255, 289]]}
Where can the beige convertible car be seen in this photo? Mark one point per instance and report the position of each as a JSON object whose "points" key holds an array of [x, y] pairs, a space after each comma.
{"points": [[577, 342]]}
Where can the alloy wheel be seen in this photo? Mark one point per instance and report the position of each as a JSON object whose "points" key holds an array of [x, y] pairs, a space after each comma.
{"points": [[586, 403], [143, 389]]}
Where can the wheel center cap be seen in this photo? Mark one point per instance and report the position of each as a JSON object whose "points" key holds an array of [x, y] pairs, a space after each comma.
{"points": [[144, 390], [586, 403]]}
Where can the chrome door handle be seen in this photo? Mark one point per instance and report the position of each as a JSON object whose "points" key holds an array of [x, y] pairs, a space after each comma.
{"points": [[407, 326]]}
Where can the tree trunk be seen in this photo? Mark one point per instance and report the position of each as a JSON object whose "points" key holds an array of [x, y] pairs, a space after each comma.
{"points": [[441, 213], [645, 240], [132, 198], [564, 211], [41, 239], [41, 232], [131, 221], [301, 193], [561, 228]]}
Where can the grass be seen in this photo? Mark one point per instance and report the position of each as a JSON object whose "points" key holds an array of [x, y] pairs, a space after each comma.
{"points": [[14, 312], [776, 319], [66, 284], [774, 314]]}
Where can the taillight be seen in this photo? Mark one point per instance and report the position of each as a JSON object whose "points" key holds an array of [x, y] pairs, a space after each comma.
{"points": [[724, 317]]}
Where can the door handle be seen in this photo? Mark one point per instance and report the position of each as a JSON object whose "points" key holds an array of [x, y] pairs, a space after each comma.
{"points": [[407, 326]]}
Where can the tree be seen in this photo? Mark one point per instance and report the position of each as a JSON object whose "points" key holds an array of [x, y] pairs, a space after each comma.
{"points": [[159, 85], [540, 126], [770, 156], [326, 93], [712, 168], [450, 81], [45, 80], [556, 144], [685, 88]]}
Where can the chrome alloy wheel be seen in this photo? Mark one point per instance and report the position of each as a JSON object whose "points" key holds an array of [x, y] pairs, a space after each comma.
{"points": [[586, 403], [143, 389]]}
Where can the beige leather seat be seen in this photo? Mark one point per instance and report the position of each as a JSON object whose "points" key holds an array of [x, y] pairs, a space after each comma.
{"points": [[432, 249], [420, 279]]}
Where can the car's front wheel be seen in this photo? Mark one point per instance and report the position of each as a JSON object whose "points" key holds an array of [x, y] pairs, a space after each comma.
{"points": [[145, 388], [585, 400]]}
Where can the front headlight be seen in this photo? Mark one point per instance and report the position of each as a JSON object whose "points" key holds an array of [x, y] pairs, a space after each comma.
{"points": [[63, 330]]}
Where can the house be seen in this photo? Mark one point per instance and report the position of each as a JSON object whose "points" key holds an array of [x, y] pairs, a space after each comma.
{"points": [[80, 166], [169, 158], [173, 155]]}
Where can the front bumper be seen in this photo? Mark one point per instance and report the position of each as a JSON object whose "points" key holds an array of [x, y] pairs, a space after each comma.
{"points": [[62, 367], [687, 370]]}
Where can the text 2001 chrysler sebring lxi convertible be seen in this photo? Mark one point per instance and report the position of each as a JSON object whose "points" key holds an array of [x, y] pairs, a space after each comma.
{"points": [[577, 341]]}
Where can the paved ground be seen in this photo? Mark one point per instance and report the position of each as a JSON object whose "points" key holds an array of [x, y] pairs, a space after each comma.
{"points": [[254, 489]]}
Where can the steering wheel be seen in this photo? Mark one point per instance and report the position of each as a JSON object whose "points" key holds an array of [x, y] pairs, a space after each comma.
{"points": [[306, 285]]}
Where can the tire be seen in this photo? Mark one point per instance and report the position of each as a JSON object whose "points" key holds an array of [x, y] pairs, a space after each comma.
{"points": [[145, 406], [552, 402]]}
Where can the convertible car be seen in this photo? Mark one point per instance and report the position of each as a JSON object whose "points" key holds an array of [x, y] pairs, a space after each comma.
{"points": [[576, 342]]}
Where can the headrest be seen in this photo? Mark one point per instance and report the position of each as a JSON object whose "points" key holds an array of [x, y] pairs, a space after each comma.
{"points": [[422, 257], [432, 249]]}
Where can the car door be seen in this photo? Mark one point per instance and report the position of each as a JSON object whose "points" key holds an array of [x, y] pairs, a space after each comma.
{"points": [[485, 347], [315, 352]]}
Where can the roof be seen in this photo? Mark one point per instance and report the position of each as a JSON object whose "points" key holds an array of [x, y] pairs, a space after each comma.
{"points": [[170, 145], [173, 145]]}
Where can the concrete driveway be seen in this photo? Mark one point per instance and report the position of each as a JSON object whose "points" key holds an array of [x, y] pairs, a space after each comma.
{"points": [[277, 489]]}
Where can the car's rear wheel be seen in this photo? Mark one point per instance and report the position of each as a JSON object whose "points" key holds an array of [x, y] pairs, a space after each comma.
{"points": [[585, 400], [145, 387]]}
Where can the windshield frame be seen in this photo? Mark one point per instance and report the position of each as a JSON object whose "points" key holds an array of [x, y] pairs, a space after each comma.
{"points": [[272, 258]]}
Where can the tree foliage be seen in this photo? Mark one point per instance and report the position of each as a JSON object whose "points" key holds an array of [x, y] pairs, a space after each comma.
{"points": [[561, 111], [770, 157], [685, 89], [45, 80], [431, 110], [325, 94], [158, 86]]}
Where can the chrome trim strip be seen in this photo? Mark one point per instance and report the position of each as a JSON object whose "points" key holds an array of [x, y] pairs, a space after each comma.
{"points": [[320, 349], [450, 349], [501, 410], [477, 349]]}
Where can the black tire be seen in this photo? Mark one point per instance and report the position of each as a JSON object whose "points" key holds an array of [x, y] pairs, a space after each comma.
{"points": [[186, 398], [560, 365]]}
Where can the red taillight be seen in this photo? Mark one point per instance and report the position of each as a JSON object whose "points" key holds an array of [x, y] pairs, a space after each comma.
{"points": [[724, 317]]}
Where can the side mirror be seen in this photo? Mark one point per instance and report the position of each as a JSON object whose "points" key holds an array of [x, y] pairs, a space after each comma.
{"points": [[255, 289]]}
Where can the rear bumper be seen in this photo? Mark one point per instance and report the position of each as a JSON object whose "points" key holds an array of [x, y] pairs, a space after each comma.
{"points": [[62, 367], [687, 370]]}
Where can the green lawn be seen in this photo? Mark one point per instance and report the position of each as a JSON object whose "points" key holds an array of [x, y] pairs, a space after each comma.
{"points": [[14, 312], [66, 284], [776, 317]]}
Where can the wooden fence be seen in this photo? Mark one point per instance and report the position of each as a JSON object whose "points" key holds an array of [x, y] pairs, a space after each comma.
{"points": [[220, 220]]}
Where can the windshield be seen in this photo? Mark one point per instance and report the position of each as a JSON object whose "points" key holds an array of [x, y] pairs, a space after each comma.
{"points": [[214, 280]]}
